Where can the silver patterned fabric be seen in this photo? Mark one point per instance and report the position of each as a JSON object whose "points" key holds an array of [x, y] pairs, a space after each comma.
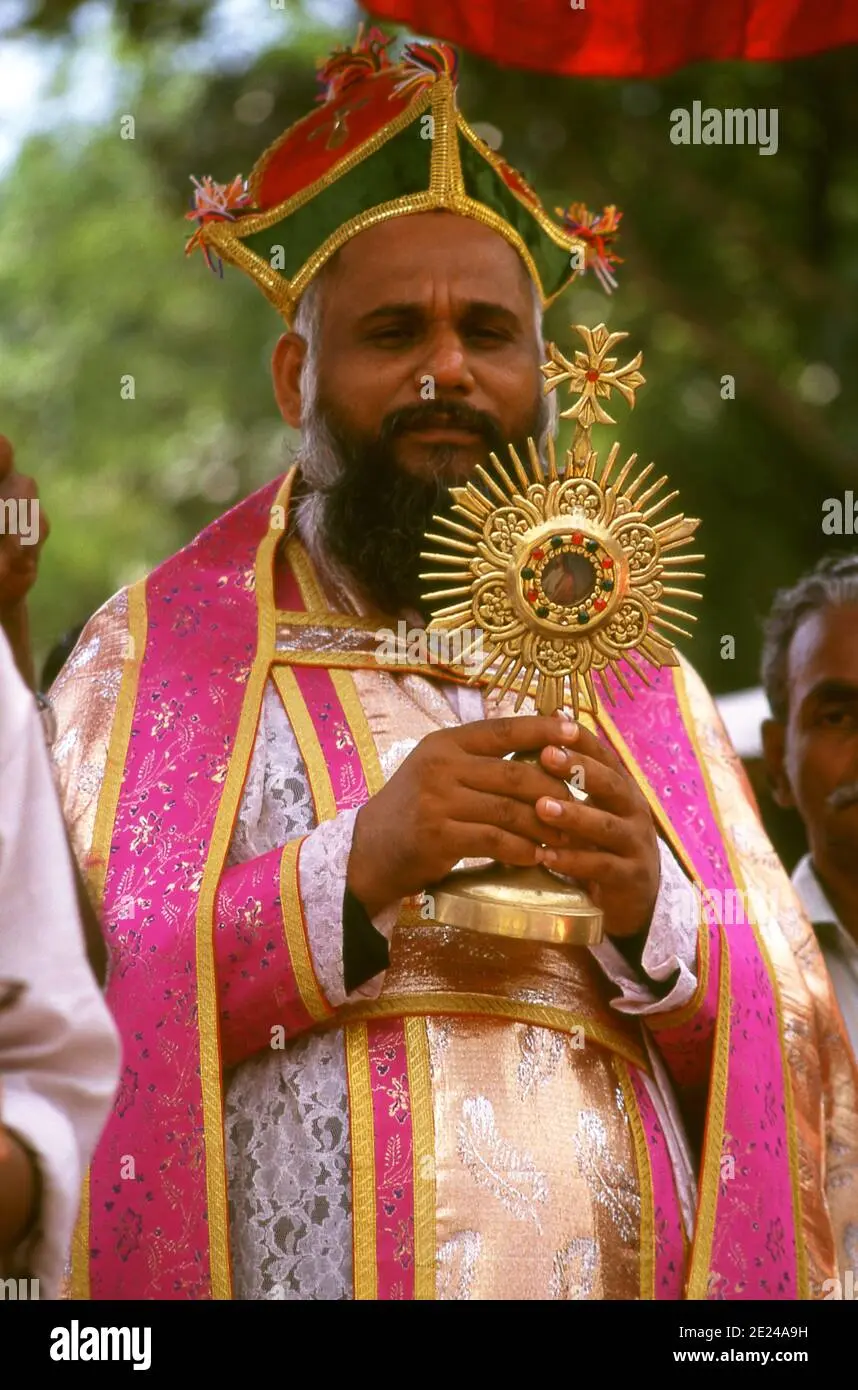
{"points": [[286, 1113]]}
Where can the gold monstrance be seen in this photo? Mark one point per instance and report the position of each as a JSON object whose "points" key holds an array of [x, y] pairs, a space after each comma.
{"points": [[563, 575]]}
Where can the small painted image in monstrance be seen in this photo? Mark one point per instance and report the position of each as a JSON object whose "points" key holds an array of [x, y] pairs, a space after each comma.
{"points": [[564, 575]]}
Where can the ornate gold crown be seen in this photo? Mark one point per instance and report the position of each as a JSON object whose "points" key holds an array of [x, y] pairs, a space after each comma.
{"points": [[387, 140]]}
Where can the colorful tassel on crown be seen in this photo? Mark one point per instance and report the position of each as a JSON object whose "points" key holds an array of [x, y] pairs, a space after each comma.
{"points": [[598, 231], [367, 56], [423, 63], [214, 202]]}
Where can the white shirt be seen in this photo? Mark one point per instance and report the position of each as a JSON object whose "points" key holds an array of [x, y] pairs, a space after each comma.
{"points": [[59, 1050], [838, 948]]}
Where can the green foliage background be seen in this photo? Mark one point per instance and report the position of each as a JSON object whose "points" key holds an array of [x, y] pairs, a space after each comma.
{"points": [[735, 263]]}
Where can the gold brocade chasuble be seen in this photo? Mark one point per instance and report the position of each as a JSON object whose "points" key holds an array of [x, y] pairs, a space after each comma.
{"points": [[507, 1134]]}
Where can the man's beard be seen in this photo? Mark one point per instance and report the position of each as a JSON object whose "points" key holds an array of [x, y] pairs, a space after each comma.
{"points": [[367, 514]]}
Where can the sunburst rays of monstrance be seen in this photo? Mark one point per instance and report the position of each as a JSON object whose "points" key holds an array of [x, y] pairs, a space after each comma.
{"points": [[561, 575]]}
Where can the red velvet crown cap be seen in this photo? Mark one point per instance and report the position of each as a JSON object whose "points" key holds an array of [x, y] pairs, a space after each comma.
{"points": [[387, 140], [316, 143]]}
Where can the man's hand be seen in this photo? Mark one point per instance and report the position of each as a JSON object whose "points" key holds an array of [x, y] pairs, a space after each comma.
{"points": [[610, 843], [19, 1193], [20, 547], [455, 797]]}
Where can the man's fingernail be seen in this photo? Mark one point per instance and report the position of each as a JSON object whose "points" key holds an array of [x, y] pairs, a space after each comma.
{"points": [[556, 755], [549, 856], [552, 807], [569, 728]]}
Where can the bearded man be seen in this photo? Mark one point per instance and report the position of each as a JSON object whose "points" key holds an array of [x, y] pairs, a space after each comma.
{"points": [[326, 1095]]}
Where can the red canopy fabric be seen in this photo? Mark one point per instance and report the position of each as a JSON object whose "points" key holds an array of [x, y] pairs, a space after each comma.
{"points": [[627, 38]]}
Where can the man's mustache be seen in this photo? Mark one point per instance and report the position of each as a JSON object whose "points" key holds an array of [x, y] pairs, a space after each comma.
{"points": [[842, 796], [443, 415]]}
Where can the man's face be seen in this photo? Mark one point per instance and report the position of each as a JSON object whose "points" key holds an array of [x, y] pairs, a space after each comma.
{"points": [[427, 359], [431, 315], [815, 754]]}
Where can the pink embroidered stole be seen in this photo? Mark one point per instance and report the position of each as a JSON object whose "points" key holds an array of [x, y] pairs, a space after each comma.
{"points": [[748, 1213], [154, 1219]]}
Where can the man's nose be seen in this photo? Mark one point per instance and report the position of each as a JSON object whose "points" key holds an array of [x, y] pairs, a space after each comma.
{"points": [[446, 362]]}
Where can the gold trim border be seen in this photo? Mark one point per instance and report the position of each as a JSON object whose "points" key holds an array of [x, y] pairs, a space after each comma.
{"points": [[306, 578], [362, 1131], [343, 683], [363, 661], [295, 932], [490, 1006], [308, 743], [445, 169], [646, 1182], [105, 817], [284, 618], [423, 1156]]}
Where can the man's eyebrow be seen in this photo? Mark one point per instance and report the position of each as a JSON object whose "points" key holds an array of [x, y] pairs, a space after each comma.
{"points": [[487, 308], [472, 308], [397, 310], [832, 689]]}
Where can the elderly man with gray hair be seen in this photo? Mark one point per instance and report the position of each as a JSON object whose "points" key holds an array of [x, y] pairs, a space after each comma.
{"points": [[810, 672]]}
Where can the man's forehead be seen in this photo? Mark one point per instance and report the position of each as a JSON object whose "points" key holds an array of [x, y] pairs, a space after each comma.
{"points": [[416, 258], [825, 646]]}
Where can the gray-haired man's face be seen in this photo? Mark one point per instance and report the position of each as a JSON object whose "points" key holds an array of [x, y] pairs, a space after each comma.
{"points": [[815, 766]]}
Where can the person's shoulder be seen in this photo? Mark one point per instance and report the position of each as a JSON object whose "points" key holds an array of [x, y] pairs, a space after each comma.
{"points": [[698, 698], [103, 642], [689, 670]]}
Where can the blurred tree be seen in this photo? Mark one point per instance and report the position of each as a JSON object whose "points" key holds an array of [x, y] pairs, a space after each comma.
{"points": [[736, 265], [140, 19]]}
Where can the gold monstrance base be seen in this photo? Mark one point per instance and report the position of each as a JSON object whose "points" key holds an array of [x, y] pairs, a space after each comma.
{"points": [[563, 575], [529, 904]]}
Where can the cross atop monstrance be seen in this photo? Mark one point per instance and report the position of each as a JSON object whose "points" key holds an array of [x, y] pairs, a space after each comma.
{"points": [[592, 375]]}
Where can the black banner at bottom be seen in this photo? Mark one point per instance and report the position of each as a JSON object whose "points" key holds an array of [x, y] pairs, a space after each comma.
{"points": [[166, 1341]]}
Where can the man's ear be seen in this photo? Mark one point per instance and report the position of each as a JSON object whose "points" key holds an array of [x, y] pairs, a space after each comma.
{"points": [[774, 747], [286, 366]]}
